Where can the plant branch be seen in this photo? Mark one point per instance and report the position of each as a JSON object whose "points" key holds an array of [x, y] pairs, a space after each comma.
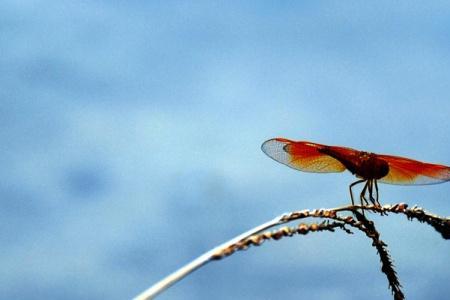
{"points": [[257, 236], [166, 282], [286, 231], [387, 267]]}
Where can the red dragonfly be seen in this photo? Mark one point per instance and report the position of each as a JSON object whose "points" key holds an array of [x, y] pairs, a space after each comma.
{"points": [[370, 168]]}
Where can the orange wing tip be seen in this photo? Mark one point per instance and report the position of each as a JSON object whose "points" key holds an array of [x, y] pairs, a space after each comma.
{"points": [[415, 180], [424, 175], [445, 174]]}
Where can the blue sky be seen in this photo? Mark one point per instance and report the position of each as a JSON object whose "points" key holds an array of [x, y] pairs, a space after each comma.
{"points": [[131, 131]]}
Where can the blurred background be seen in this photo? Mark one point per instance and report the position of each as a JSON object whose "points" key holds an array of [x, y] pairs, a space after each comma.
{"points": [[130, 143]]}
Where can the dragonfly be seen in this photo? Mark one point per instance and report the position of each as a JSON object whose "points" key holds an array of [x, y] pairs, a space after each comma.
{"points": [[370, 168]]}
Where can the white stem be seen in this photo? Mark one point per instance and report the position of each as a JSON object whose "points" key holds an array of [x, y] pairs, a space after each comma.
{"points": [[165, 283]]}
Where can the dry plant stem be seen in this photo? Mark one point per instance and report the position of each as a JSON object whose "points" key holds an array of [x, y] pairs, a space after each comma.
{"points": [[286, 231], [440, 224], [255, 237], [362, 224], [387, 267], [165, 283]]}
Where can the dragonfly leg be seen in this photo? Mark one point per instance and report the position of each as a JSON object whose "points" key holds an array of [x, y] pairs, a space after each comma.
{"points": [[362, 197], [376, 189], [377, 203], [350, 188], [370, 188]]}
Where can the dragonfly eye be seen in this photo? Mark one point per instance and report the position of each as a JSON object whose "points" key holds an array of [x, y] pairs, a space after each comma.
{"points": [[382, 168]]}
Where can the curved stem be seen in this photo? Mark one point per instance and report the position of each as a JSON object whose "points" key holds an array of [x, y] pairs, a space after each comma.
{"points": [[165, 283], [442, 225]]}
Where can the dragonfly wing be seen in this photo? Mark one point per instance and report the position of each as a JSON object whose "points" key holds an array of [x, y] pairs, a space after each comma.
{"points": [[407, 171], [303, 156]]}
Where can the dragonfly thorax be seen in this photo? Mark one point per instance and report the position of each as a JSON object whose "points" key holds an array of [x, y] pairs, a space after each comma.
{"points": [[368, 166]]}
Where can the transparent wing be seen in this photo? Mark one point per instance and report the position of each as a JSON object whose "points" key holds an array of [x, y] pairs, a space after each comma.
{"points": [[303, 156], [407, 171]]}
